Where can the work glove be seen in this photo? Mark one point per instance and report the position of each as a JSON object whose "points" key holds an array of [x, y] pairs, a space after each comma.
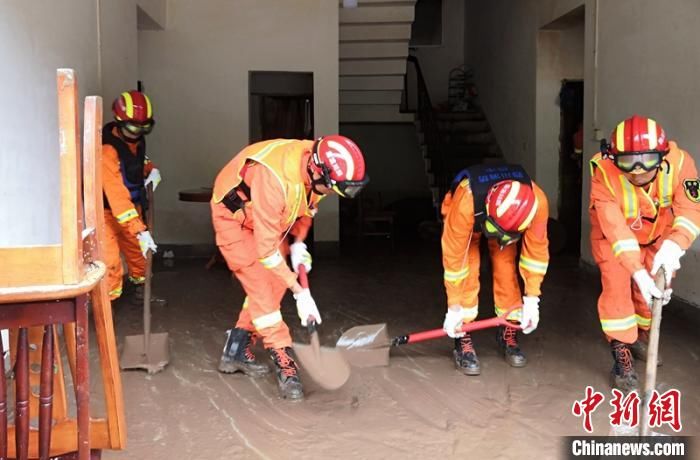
{"points": [[667, 296], [530, 314], [453, 321], [153, 178], [300, 256], [146, 242], [306, 307], [668, 258], [647, 287]]}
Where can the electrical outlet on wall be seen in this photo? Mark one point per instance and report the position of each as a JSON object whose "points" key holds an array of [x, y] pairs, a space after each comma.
{"points": [[598, 134]]}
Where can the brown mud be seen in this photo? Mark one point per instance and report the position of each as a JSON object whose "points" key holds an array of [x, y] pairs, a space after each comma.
{"points": [[325, 365], [418, 406]]}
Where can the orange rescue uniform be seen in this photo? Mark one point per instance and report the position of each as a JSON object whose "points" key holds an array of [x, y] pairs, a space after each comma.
{"points": [[460, 255], [253, 238], [122, 222], [628, 225]]}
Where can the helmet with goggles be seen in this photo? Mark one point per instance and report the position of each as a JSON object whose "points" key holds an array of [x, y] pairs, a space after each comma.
{"points": [[340, 164], [510, 208], [637, 145], [133, 112]]}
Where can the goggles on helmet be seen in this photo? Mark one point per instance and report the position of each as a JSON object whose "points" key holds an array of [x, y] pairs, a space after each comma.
{"points": [[138, 128], [628, 162], [492, 230], [344, 188]]}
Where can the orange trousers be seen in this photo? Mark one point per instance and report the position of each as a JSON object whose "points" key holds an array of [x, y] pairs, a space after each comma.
{"points": [[506, 290], [621, 307], [264, 290], [119, 241]]}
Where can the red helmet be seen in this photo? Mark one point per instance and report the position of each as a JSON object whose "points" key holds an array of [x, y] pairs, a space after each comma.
{"points": [[510, 208], [133, 111], [638, 142], [341, 165]]}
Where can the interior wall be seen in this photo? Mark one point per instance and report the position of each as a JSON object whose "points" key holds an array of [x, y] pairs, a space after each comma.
{"points": [[394, 161], [633, 76], [560, 55], [437, 61], [196, 71]]}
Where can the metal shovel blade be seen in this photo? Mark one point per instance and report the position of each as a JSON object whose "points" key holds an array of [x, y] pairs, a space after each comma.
{"points": [[153, 359], [366, 346], [325, 365]]}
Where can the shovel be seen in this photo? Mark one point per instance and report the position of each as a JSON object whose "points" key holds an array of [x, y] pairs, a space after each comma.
{"points": [[325, 365], [369, 346], [147, 351]]}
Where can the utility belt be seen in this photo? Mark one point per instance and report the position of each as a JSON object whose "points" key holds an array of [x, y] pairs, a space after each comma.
{"points": [[233, 201], [650, 243]]}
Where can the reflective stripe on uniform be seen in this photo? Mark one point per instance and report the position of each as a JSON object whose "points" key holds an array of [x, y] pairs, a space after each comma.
{"points": [[272, 261], [269, 320], [532, 265], [245, 303], [629, 199], [513, 316], [457, 276], [621, 246], [127, 215], [115, 292], [595, 164], [642, 321], [469, 313], [686, 224], [137, 279], [666, 187], [610, 325]]}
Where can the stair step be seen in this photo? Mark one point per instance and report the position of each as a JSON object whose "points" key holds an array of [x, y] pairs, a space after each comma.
{"points": [[469, 139], [368, 32], [372, 83], [370, 97], [402, 13], [373, 67], [373, 114], [459, 116], [364, 50], [464, 127], [476, 150]]}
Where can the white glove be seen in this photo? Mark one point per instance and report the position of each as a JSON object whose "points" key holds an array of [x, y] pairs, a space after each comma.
{"points": [[530, 314], [153, 178], [300, 256], [668, 258], [453, 321], [146, 242], [306, 307], [647, 286], [667, 296]]}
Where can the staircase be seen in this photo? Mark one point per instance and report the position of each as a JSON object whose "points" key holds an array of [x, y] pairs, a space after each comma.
{"points": [[374, 41]]}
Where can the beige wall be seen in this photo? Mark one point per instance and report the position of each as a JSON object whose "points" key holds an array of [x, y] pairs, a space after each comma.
{"points": [[639, 70], [437, 61], [196, 71], [36, 38]]}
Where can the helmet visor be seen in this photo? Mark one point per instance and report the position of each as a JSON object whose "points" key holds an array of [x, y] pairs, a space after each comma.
{"points": [[628, 162], [492, 230], [350, 188], [139, 128]]}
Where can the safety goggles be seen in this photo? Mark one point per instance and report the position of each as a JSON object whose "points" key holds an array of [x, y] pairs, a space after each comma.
{"points": [[628, 162], [138, 129], [349, 188], [492, 230]]}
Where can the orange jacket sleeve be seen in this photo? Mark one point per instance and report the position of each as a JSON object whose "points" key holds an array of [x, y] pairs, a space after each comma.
{"points": [[458, 215], [268, 207], [118, 195], [612, 222], [301, 228], [686, 223], [534, 255]]}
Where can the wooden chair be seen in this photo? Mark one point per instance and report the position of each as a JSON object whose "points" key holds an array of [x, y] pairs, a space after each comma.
{"points": [[44, 286], [374, 220]]}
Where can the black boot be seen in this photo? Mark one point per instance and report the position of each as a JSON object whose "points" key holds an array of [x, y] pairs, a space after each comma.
{"points": [[287, 372], [465, 356], [623, 375], [639, 348], [508, 342], [137, 297], [238, 357]]}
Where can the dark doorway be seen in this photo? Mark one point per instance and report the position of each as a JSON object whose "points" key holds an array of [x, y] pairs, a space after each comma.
{"points": [[281, 105], [571, 162]]}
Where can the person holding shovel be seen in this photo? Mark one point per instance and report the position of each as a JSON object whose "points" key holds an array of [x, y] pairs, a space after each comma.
{"points": [[268, 192], [645, 213], [126, 172], [504, 205]]}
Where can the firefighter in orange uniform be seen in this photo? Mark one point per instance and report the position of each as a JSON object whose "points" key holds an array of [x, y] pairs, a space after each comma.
{"points": [[505, 205], [270, 191], [644, 216], [126, 171]]}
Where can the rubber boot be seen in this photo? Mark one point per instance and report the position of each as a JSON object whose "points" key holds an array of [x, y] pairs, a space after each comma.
{"points": [[466, 360], [137, 297], [238, 357], [639, 348], [287, 372], [623, 376], [508, 343]]}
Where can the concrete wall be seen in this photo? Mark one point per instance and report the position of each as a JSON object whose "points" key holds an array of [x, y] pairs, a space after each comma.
{"points": [[394, 161], [638, 70], [196, 71], [437, 61], [36, 38]]}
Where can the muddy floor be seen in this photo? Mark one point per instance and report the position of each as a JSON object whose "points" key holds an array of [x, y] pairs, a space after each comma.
{"points": [[418, 406]]}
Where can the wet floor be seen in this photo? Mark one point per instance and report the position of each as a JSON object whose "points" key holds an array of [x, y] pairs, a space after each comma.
{"points": [[419, 405]]}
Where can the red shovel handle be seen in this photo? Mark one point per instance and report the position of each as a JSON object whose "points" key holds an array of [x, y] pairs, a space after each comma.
{"points": [[469, 327], [303, 278]]}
